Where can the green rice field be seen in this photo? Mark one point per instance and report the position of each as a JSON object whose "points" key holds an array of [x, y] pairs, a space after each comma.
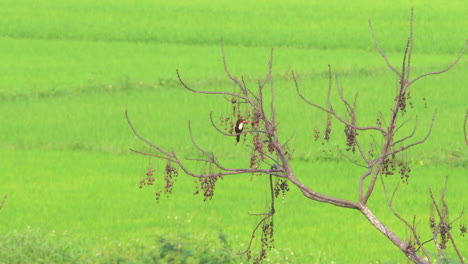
{"points": [[69, 70]]}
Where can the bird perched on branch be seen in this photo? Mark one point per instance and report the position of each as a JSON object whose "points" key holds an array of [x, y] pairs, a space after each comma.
{"points": [[240, 127]]}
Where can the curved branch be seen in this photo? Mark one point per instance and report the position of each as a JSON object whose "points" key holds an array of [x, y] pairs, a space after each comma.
{"points": [[419, 142], [332, 112], [153, 155], [309, 193], [444, 70], [267, 215], [172, 157], [410, 135], [411, 227], [212, 158], [144, 139], [382, 53], [361, 181], [209, 92], [234, 79], [361, 152], [350, 160]]}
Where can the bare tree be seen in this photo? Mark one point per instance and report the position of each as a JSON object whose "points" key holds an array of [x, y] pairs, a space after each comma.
{"points": [[271, 157]]}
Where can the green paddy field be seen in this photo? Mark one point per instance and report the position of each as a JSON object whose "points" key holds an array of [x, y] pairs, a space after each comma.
{"points": [[69, 70]]}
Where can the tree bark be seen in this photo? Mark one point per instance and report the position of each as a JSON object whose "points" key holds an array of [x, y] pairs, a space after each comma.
{"points": [[406, 248]]}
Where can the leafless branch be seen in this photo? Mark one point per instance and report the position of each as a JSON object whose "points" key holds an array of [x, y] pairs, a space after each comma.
{"points": [[172, 157], [235, 80], [361, 152], [410, 52], [266, 217], [361, 181], [465, 128], [332, 112], [444, 223], [3, 201], [418, 142], [411, 227], [144, 139], [243, 97], [351, 160], [382, 53], [444, 70], [409, 136]]}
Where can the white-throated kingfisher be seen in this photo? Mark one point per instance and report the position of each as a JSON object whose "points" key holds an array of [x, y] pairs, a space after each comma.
{"points": [[240, 127]]}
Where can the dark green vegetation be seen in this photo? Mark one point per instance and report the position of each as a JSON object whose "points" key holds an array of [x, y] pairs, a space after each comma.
{"points": [[69, 71]]}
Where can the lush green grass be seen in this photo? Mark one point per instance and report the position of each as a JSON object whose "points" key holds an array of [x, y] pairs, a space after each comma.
{"points": [[69, 71], [259, 23], [94, 197]]}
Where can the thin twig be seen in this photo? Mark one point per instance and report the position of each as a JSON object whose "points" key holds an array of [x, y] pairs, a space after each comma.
{"points": [[418, 142], [409, 136], [411, 227], [144, 139], [464, 127], [382, 53], [331, 111], [235, 80], [350, 160], [410, 46]]}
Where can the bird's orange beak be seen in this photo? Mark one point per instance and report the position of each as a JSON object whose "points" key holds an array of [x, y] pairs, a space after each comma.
{"points": [[247, 122]]}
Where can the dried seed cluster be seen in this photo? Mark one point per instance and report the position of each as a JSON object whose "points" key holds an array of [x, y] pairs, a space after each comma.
{"points": [[402, 103], [328, 129], [148, 180], [267, 241], [281, 186], [390, 166], [316, 134], [208, 186], [462, 230], [350, 138], [170, 176], [410, 249]]}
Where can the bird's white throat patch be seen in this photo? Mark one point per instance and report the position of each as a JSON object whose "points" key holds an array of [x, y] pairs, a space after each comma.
{"points": [[241, 125]]}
